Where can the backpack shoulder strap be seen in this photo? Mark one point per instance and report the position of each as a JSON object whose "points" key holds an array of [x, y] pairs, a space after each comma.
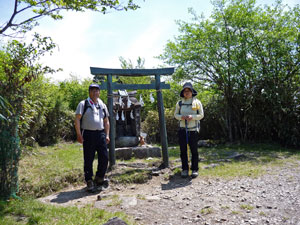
{"points": [[180, 104], [85, 107], [102, 106]]}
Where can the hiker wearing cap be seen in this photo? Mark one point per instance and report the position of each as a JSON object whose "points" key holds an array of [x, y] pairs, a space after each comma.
{"points": [[92, 129], [189, 112]]}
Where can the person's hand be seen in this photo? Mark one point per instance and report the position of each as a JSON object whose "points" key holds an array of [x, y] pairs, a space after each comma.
{"points": [[189, 118], [107, 139], [80, 138]]}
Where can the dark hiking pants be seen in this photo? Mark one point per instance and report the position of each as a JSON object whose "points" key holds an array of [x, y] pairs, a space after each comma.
{"points": [[193, 137], [94, 141]]}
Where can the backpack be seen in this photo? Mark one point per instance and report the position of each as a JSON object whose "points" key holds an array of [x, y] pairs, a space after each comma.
{"points": [[197, 122], [85, 107]]}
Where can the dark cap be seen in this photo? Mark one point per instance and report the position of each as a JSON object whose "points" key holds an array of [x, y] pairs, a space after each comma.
{"points": [[189, 86], [94, 86]]}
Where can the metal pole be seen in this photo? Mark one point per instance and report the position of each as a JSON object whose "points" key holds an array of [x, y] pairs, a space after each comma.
{"points": [[112, 158], [187, 144], [163, 130]]}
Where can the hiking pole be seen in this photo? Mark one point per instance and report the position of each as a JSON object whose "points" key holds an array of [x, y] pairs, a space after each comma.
{"points": [[187, 144]]}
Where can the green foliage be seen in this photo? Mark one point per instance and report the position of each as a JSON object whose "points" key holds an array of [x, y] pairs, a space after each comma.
{"points": [[59, 124], [18, 67], [249, 56], [48, 111], [4, 106], [30, 11], [151, 127], [74, 91], [61, 165], [31, 211], [137, 176]]}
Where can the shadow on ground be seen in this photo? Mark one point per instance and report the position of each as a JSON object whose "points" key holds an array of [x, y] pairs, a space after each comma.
{"points": [[176, 182], [67, 196]]}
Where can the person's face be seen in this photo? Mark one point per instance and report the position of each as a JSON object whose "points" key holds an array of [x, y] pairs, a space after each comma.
{"points": [[187, 93], [94, 93]]}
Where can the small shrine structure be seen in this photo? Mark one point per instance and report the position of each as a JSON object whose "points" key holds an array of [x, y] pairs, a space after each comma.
{"points": [[116, 109], [128, 118]]}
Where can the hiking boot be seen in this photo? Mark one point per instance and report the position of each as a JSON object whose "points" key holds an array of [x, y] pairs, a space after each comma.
{"points": [[90, 185], [194, 174], [184, 173], [100, 183]]}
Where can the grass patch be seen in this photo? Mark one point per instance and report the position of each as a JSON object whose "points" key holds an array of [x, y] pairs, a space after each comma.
{"points": [[115, 201], [174, 152], [206, 211], [254, 159], [49, 169], [262, 213], [235, 169], [265, 153], [31, 211], [138, 176], [247, 207]]}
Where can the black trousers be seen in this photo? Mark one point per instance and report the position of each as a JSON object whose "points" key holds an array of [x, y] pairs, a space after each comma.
{"points": [[94, 141], [193, 137]]}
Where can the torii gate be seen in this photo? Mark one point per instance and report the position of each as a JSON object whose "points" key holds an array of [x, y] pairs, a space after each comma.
{"points": [[157, 85]]}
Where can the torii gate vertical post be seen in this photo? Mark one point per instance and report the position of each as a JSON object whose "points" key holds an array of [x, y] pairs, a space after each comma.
{"points": [[158, 86], [162, 124], [110, 98]]}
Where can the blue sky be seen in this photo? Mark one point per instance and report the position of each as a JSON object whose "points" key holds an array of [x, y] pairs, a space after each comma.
{"points": [[93, 39]]}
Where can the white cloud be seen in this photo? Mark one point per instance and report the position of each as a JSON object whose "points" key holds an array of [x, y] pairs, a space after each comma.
{"points": [[149, 43], [71, 37]]}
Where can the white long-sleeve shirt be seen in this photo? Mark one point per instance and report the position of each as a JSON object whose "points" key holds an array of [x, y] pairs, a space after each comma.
{"points": [[191, 107]]}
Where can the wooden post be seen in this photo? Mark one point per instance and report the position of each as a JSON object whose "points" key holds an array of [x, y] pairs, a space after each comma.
{"points": [[112, 157], [162, 124]]}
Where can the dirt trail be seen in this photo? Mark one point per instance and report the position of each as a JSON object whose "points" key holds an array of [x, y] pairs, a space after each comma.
{"points": [[273, 198]]}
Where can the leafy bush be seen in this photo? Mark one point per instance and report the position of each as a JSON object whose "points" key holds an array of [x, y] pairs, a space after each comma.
{"points": [[151, 127], [59, 124]]}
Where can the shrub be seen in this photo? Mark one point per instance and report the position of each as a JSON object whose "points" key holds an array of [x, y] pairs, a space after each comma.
{"points": [[151, 127]]}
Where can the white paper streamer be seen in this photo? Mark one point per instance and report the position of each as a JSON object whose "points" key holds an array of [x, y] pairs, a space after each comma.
{"points": [[141, 100], [122, 116], [131, 115], [117, 116], [120, 101], [128, 103], [151, 98]]}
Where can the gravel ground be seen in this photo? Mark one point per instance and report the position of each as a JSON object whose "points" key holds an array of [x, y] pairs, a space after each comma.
{"points": [[273, 198]]}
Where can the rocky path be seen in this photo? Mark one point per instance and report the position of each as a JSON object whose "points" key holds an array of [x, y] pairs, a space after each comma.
{"points": [[273, 198]]}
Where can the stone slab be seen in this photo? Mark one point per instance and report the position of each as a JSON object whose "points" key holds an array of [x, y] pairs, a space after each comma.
{"points": [[139, 152]]}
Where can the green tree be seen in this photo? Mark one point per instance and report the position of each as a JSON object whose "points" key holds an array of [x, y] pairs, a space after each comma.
{"points": [[249, 57], [30, 11], [144, 94], [18, 67], [74, 90]]}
